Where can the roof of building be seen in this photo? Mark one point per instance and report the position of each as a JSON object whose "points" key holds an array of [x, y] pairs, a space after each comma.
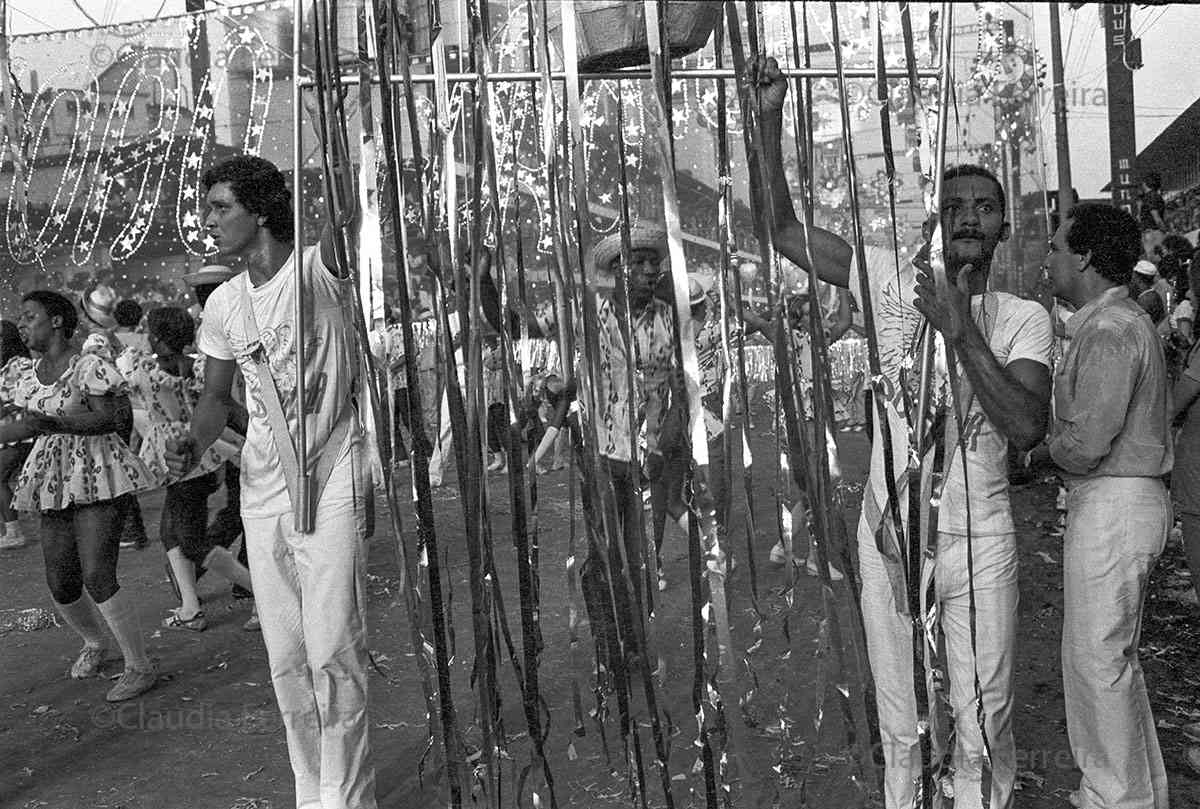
{"points": [[1174, 154]]}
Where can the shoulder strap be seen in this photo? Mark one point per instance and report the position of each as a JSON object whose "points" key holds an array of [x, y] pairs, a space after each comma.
{"points": [[275, 416], [304, 502]]}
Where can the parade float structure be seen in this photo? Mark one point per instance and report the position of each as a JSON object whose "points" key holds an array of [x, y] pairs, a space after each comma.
{"points": [[462, 129]]}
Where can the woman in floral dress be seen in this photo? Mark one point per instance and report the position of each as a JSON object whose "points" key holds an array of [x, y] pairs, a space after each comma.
{"points": [[166, 383], [76, 406], [12, 456]]}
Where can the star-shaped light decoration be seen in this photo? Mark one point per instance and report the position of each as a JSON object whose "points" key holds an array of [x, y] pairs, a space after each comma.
{"points": [[190, 220], [247, 35], [210, 244]]}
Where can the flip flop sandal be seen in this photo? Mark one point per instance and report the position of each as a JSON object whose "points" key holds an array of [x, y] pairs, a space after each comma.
{"points": [[197, 623]]}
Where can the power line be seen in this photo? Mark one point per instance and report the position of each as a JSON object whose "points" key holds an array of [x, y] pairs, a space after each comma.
{"points": [[30, 16]]}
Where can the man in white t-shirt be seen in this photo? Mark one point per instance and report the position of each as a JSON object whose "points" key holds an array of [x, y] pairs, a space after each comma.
{"points": [[308, 585], [1002, 344]]}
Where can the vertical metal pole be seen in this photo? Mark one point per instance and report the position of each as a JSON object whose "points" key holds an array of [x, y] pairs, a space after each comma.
{"points": [[939, 164], [303, 515], [1062, 147]]}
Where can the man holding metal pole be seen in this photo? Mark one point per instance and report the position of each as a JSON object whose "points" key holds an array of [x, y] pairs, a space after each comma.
{"points": [[1002, 346], [307, 554]]}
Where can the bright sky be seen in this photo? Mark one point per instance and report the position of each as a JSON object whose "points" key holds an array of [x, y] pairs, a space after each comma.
{"points": [[1167, 85]]}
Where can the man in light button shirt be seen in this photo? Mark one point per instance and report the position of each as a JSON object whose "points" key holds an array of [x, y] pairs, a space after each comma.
{"points": [[1111, 438]]}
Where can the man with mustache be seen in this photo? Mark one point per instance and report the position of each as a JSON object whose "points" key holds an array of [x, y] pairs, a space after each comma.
{"points": [[1002, 347]]}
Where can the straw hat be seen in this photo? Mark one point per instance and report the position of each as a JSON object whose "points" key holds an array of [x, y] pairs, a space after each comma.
{"points": [[98, 304], [209, 274], [641, 237], [697, 289], [1144, 267]]}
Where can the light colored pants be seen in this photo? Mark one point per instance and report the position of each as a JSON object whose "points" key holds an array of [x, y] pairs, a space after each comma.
{"points": [[889, 646], [310, 598], [1116, 529]]}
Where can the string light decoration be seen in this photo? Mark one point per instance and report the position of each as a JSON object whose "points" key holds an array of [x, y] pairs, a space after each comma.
{"points": [[199, 140], [131, 137]]}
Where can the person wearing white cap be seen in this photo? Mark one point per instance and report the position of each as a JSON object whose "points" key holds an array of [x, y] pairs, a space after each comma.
{"points": [[1143, 289]]}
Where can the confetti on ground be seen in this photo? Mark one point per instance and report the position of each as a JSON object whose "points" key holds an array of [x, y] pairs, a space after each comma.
{"points": [[251, 803], [30, 619]]}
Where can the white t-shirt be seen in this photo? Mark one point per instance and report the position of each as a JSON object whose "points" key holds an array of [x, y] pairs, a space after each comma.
{"points": [[1184, 311], [331, 375], [1018, 329]]}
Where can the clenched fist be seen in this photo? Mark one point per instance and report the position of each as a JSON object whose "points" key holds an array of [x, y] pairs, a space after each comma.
{"points": [[179, 455], [769, 82]]}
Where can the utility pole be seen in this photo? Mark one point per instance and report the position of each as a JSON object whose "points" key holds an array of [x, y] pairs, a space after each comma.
{"points": [[1066, 196], [1122, 142]]}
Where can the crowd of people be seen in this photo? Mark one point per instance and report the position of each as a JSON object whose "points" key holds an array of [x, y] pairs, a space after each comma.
{"points": [[156, 400]]}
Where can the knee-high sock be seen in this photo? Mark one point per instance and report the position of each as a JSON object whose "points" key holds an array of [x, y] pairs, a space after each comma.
{"points": [[81, 616], [122, 617]]}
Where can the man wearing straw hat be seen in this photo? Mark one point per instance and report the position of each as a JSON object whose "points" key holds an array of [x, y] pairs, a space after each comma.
{"points": [[1002, 345], [653, 356], [308, 584]]}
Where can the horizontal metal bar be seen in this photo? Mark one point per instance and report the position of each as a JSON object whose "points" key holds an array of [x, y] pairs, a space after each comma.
{"points": [[610, 75]]}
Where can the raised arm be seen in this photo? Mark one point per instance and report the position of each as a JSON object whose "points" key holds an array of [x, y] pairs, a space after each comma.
{"points": [[830, 252]]}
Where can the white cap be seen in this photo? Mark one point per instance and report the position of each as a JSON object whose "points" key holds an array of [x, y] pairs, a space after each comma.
{"points": [[1144, 267]]}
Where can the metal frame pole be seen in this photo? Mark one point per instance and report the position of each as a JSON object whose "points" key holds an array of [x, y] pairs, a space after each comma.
{"points": [[301, 509], [615, 75]]}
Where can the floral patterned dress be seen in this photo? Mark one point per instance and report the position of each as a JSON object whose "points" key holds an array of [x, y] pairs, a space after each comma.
{"points": [[169, 402], [63, 469]]}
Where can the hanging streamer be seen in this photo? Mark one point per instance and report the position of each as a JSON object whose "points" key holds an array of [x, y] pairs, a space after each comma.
{"points": [[392, 33], [828, 528]]}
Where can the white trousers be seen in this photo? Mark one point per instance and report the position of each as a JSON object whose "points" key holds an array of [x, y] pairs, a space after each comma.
{"points": [[1116, 529], [311, 601], [889, 647]]}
